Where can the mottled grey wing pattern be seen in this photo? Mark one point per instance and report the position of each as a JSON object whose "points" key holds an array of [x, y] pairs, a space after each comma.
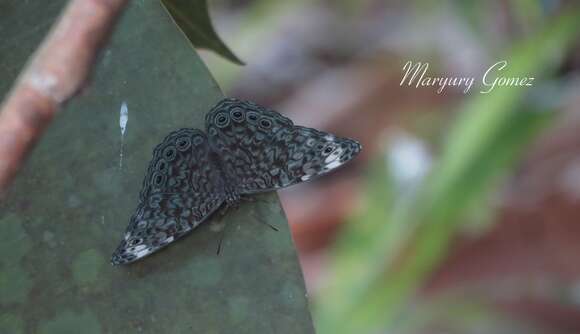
{"points": [[248, 149], [261, 150], [182, 188]]}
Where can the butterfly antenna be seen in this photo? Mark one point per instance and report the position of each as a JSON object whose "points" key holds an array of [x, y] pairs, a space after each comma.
{"points": [[271, 226]]}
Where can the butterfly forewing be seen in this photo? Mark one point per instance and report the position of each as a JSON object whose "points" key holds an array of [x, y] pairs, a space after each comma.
{"points": [[261, 150], [181, 189]]}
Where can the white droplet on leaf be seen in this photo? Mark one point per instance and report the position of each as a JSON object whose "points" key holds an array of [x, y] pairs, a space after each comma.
{"points": [[124, 117]]}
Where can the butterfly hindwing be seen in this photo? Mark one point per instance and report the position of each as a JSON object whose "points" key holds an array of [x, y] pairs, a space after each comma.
{"points": [[181, 189], [261, 150]]}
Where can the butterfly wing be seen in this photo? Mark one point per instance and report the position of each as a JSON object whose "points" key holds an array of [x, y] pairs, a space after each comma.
{"points": [[181, 189], [261, 150]]}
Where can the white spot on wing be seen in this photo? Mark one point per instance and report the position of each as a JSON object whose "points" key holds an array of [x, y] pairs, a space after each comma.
{"points": [[139, 248], [142, 252], [333, 156], [334, 164]]}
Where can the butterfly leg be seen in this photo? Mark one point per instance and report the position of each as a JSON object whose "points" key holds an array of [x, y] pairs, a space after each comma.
{"points": [[254, 198], [268, 224], [222, 234], [250, 199], [271, 226], [219, 247]]}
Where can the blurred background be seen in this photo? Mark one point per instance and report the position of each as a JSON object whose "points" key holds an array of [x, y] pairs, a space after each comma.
{"points": [[461, 215]]}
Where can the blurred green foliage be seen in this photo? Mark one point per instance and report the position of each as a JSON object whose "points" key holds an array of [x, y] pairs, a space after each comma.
{"points": [[386, 252], [192, 17]]}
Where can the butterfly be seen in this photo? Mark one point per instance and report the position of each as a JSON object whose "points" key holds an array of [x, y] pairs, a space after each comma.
{"points": [[247, 149]]}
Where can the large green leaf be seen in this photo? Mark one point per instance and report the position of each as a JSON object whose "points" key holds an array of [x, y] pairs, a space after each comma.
{"points": [[192, 17], [69, 206]]}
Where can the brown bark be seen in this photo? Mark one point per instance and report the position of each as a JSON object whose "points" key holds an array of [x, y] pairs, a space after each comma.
{"points": [[54, 74]]}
